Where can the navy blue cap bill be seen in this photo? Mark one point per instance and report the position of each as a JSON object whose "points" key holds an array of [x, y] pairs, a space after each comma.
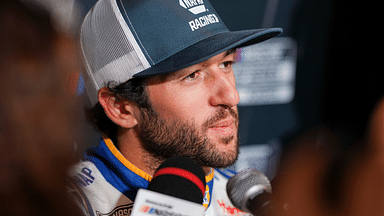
{"points": [[208, 48]]}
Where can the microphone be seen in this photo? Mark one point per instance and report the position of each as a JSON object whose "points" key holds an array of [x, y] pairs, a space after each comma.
{"points": [[251, 191], [177, 188]]}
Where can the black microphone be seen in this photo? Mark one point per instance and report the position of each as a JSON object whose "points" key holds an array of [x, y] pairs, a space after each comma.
{"points": [[251, 191], [180, 177], [177, 188]]}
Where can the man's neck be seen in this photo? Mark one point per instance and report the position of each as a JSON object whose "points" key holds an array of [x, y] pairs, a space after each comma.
{"points": [[129, 144], [207, 170]]}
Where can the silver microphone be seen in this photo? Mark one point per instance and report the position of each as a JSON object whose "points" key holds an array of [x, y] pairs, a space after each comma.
{"points": [[250, 191]]}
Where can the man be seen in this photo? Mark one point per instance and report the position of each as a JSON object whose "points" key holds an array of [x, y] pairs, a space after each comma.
{"points": [[160, 78]]}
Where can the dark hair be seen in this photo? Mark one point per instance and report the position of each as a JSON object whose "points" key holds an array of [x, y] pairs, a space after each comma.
{"points": [[132, 90]]}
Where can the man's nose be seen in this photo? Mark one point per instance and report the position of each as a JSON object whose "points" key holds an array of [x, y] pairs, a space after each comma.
{"points": [[223, 90]]}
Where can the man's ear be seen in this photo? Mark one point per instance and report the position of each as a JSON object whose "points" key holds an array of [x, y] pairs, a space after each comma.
{"points": [[121, 113]]}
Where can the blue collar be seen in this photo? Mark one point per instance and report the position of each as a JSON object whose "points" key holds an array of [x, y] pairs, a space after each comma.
{"points": [[123, 175]]}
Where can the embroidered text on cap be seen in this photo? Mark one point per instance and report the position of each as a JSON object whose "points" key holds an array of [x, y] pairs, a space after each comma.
{"points": [[194, 6]]}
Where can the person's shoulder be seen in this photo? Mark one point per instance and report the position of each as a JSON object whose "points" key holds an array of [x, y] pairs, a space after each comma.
{"points": [[220, 203], [221, 178], [93, 193], [84, 173]]}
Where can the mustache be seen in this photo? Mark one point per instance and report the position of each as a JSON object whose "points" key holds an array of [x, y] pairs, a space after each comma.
{"points": [[219, 115]]}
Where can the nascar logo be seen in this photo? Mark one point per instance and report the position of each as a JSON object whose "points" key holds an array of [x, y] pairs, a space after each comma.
{"points": [[154, 211], [147, 209], [194, 6], [124, 210]]}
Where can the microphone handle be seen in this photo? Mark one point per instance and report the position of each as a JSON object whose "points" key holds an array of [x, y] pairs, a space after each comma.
{"points": [[263, 205]]}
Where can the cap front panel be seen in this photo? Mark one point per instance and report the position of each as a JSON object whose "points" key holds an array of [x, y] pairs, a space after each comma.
{"points": [[165, 27]]}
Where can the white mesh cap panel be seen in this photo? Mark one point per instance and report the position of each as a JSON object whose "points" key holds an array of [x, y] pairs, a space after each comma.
{"points": [[109, 48]]}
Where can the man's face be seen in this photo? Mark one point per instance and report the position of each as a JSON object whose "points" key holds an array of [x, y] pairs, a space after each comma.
{"points": [[194, 113]]}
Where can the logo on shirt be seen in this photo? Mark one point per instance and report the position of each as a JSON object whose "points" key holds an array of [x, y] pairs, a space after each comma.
{"points": [[84, 178], [155, 211], [123, 210], [228, 209], [194, 6], [207, 197]]}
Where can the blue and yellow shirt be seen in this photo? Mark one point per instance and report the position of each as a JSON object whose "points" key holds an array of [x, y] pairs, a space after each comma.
{"points": [[106, 183]]}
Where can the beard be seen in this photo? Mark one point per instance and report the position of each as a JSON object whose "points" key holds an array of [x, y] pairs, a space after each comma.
{"points": [[163, 139]]}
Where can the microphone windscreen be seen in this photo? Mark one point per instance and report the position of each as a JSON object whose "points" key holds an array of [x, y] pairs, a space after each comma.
{"points": [[180, 177], [245, 186]]}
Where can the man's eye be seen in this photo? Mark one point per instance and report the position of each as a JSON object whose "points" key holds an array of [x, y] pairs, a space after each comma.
{"points": [[226, 64], [192, 76]]}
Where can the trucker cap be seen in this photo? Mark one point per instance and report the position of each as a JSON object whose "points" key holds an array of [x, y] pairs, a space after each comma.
{"points": [[124, 39]]}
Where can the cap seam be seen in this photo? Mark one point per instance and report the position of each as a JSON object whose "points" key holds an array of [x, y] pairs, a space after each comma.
{"points": [[133, 29], [89, 70]]}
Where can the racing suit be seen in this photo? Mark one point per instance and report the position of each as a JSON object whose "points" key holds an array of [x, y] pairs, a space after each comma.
{"points": [[106, 183]]}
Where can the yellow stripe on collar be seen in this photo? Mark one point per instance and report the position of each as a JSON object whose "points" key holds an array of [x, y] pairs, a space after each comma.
{"points": [[207, 196], [209, 177], [124, 161], [135, 169]]}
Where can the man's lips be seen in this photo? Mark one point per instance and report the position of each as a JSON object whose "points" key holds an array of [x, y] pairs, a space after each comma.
{"points": [[224, 127], [224, 123]]}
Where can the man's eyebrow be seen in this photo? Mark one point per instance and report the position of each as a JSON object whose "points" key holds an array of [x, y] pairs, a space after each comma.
{"points": [[230, 51], [166, 76]]}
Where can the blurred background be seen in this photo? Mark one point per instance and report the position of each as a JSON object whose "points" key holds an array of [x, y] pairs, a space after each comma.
{"points": [[314, 87]]}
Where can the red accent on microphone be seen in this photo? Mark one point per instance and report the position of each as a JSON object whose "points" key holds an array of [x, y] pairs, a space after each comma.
{"points": [[182, 173]]}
